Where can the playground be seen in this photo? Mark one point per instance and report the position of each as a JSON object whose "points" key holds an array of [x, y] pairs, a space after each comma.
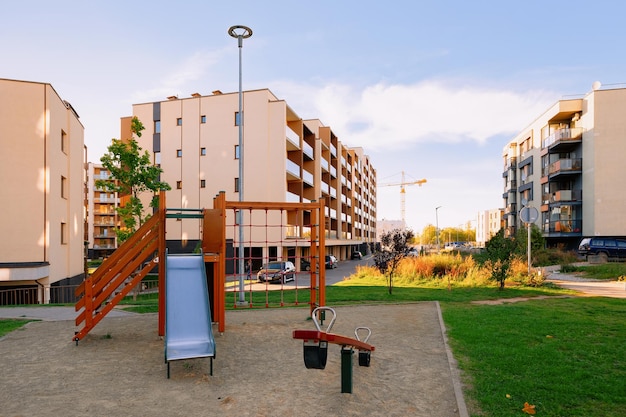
{"points": [[118, 368]]}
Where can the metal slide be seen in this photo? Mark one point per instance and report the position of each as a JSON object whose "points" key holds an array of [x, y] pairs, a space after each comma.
{"points": [[188, 331]]}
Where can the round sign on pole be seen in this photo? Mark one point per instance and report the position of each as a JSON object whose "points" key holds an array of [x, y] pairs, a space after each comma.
{"points": [[529, 214]]}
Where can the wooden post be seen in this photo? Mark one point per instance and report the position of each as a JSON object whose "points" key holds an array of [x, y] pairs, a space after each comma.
{"points": [[162, 252]]}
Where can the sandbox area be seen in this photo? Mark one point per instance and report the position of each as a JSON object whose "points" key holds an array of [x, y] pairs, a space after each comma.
{"points": [[119, 369]]}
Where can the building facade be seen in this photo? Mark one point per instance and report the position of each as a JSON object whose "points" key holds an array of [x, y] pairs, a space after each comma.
{"points": [[568, 164], [488, 223], [101, 215], [42, 159], [195, 141]]}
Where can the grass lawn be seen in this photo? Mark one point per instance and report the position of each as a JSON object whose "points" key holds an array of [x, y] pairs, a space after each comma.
{"points": [[566, 356], [8, 325]]}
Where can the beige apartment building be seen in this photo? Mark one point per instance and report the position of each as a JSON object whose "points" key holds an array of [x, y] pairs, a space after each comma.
{"points": [[569, 165], [195, 140], [42, 157], [488, 223], [101, 216]]}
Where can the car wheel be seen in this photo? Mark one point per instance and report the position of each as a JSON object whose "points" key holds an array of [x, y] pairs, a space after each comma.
{"points": [[603, 256]]}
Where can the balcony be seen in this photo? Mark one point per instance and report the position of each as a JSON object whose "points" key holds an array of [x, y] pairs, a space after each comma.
{"points": [[565, 167], [307, 177], [562, 227], [293, 171], [307, 150], [324, 164], [511, 209], [563, 139], [563, 196], [292, 137], [292, 198]]}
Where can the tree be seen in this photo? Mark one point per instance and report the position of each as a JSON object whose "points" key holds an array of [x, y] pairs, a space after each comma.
{"points": [[132, 173], [499, 252], [394, 247]]}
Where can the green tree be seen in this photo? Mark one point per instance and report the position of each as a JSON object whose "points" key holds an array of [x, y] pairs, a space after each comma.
{"points": [[537, 241], [499, 252], [132, 173], [394, 246], [429, 235]]}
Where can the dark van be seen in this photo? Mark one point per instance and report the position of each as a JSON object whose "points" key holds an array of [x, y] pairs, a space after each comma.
{"points": [[603, 247]]}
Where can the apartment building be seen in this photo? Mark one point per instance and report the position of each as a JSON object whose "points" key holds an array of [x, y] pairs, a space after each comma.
{"points": [[42, 157], [195, 140], [488, 223], [101, 216], [568, 164]]}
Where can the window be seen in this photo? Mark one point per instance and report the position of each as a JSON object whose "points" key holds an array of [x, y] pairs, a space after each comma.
{"points": [[203, 119], [64, 144], [179, 185], [64, 187], [202, 183], [237, 118], [179, 153], [236, 151], [236, 185], [64, 236], [157, 126], [203, 151], [179, 121]]}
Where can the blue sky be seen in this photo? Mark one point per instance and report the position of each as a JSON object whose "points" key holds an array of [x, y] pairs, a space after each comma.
{"points": [[432, 88]]}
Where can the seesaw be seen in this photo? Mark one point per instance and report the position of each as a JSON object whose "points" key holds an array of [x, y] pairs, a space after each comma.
{"points": [[315, 344]]}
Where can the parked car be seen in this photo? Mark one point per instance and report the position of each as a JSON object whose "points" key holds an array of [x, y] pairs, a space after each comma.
{"points": [[357, 255], [305, 265], [603, 247], [331, 262], [454, 246], [277, 271], [413, 252]]}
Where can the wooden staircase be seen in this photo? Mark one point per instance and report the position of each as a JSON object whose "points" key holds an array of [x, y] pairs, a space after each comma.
{"points": [[117, 276]]}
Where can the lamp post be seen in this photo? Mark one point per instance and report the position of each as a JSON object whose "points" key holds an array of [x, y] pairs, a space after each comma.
{"points": [[437, 225], [240, 33]]}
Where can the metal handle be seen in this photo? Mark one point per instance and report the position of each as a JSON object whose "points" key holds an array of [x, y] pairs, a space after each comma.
{"points": [[356, 334], [332, 321]]}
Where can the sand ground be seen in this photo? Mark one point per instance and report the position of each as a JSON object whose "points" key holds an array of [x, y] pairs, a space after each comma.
{"points": [[119, 369]]}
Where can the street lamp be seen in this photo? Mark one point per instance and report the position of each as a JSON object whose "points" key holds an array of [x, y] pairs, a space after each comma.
{"points": [[437, 225], [240, 33]]}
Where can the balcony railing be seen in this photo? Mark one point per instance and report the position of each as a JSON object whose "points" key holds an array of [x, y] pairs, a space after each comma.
{"points": [[293, 168], [565, 165], [292, 198], [563, 195], [307, 177], [562, 135], [564, 226], [324, 164], [292, 136], [307, 150]]}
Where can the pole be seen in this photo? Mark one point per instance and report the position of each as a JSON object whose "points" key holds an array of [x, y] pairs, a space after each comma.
{"points": [[528, 249], [437, 225], [240, 33]]}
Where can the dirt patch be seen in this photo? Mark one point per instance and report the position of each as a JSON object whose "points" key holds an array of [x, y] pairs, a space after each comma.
{"points": [[119, 369], [518, 299]]}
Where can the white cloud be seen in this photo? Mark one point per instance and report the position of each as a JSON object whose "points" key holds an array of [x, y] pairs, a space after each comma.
{"points": [[427, 111], [183, 79]]}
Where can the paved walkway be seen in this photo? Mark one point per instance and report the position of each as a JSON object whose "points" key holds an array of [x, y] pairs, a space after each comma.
{"points": [[589, 287]]}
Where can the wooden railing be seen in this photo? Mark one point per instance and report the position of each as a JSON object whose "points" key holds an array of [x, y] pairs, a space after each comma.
{"points": [[117, 276]]}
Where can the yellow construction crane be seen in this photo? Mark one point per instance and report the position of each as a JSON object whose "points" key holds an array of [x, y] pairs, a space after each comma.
{"points": [[402, 185]]}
